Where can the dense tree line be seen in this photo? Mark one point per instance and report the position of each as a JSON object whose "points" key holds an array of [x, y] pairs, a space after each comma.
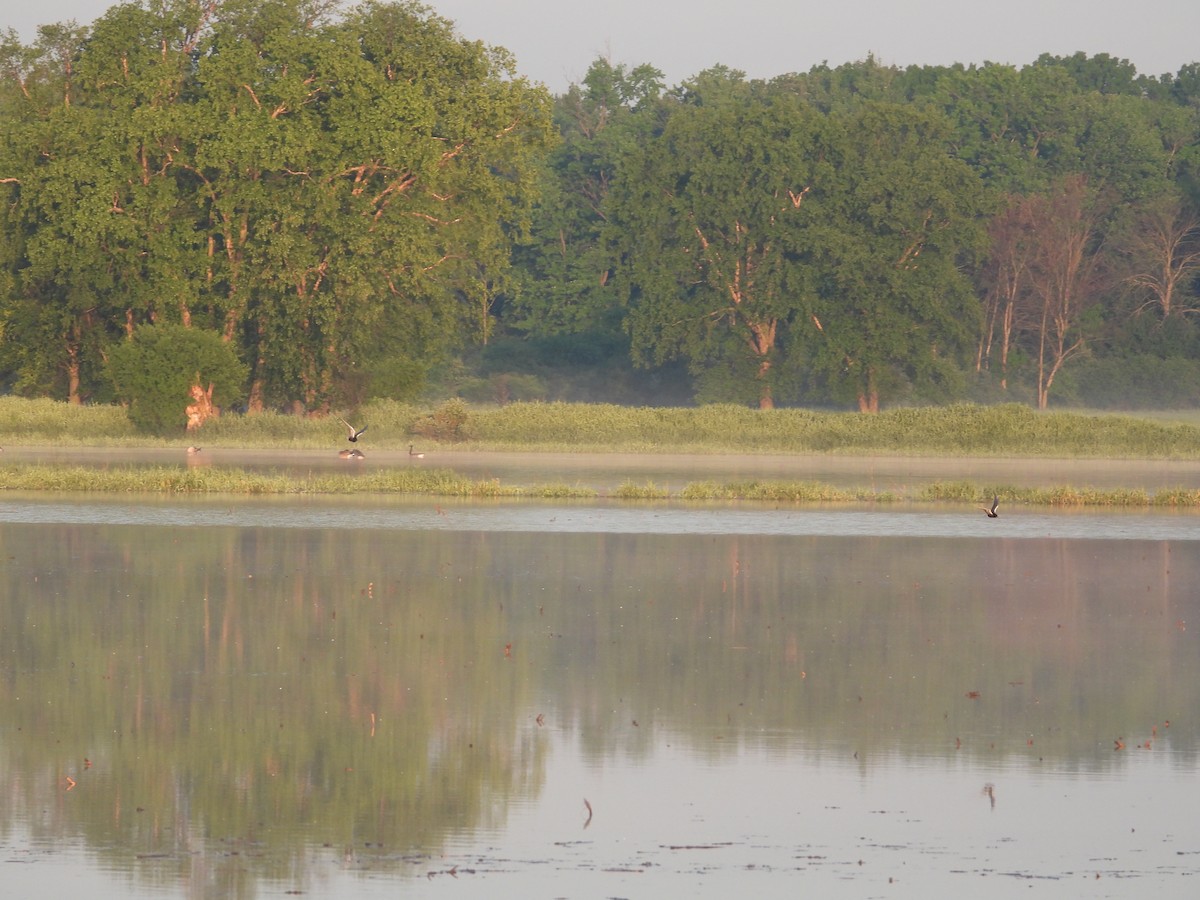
{"points": [[335, 195], [358, 201], [868, 233]]}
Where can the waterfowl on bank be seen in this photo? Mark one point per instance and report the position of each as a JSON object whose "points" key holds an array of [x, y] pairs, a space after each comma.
{"points": [[414, 454], [192, 451], [991, 513], [353, 433], [351, 454]]}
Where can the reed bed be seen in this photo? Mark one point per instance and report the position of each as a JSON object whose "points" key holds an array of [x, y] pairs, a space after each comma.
{"points": [[961, 429], [156, 479], [169, 480]]}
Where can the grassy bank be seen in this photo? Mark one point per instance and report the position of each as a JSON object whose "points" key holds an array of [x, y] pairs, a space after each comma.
{"points": [[447, 483], [1009, 430]]}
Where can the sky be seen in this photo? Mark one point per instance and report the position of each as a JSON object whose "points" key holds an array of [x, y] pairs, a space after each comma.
{"points": [[554, 41]]}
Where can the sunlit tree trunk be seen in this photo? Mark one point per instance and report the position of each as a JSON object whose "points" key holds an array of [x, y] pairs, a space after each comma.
{"points": [[868, 397]]}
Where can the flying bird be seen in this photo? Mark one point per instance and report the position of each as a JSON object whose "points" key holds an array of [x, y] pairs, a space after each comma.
{"points": [[991, 513], [353, 433]]}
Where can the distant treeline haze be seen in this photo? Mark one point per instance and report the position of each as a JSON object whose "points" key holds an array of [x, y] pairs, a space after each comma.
{"points": [[362, 204]]}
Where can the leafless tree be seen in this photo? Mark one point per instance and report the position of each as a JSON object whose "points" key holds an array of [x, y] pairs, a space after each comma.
{"points": [[1006, 274], [1165, 252], [1065, 274]]}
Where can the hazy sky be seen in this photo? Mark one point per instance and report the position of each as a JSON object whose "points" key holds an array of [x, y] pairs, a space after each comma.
{"points": [[554, 41]]}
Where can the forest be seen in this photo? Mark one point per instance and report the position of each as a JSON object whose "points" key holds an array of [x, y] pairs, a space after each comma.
{"points": [[311, 206]]}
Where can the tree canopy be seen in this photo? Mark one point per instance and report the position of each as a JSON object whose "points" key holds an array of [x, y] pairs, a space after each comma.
{"points": [[325, 190], [356, 198]]}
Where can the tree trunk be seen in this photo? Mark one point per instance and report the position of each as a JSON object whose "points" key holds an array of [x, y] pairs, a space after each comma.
{"points": [[254, 403], [73, 377], [868, 397], [73, 365], [765, 400], [201, 409]]}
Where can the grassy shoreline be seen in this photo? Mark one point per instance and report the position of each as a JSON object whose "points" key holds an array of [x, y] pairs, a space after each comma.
{"points": [[172, 480], [962, 430], [1007, 430]]}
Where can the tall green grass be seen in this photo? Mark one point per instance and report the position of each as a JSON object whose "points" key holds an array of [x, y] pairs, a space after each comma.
{"points": [[961, 429], [447, 483], [212, 480]]}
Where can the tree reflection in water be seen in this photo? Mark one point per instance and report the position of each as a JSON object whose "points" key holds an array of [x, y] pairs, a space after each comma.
{"points": [[245, 695]]}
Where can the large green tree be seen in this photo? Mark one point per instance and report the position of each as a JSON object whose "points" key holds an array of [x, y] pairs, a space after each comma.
{"points": [[329, 191], [711, 220], [566, 267], [902, 219]]}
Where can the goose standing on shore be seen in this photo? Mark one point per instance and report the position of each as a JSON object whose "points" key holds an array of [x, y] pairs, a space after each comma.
{"points": [[414, 454]]}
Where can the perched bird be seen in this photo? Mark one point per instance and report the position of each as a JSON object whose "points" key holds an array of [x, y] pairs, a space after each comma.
{"points": [[192, 451], [352, 454], [991, 513], [414, 454], [353, 433]]}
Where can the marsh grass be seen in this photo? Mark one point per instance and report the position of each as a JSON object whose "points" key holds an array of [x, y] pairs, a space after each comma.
{"points": [[649, 491], [154, 479], [962, 429], [49, 422], [168, 480]]}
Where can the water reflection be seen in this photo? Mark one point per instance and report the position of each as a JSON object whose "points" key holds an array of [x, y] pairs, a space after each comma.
{"points": [[666, 517], [241, 698]]}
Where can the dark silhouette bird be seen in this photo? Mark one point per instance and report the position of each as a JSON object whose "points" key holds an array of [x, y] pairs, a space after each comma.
{"points": [[991, 513], [354, 434], [414, 454]]}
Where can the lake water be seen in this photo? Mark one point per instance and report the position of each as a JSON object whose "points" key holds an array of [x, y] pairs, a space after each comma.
{"points": [[368, 697]]}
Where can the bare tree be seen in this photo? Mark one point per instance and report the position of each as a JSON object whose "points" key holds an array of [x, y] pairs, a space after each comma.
{"points": [[1006, 272], [1064, 274], [1165, 253]]}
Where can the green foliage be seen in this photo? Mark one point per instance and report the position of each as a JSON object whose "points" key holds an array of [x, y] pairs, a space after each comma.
{"points": [[392, 377], [1135, 382], [503, 387], [355, 197], [334, 192], [154, 372], [448, 423]]}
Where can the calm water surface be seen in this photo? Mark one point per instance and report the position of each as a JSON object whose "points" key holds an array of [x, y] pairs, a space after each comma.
{"points": [[378, 697]]}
